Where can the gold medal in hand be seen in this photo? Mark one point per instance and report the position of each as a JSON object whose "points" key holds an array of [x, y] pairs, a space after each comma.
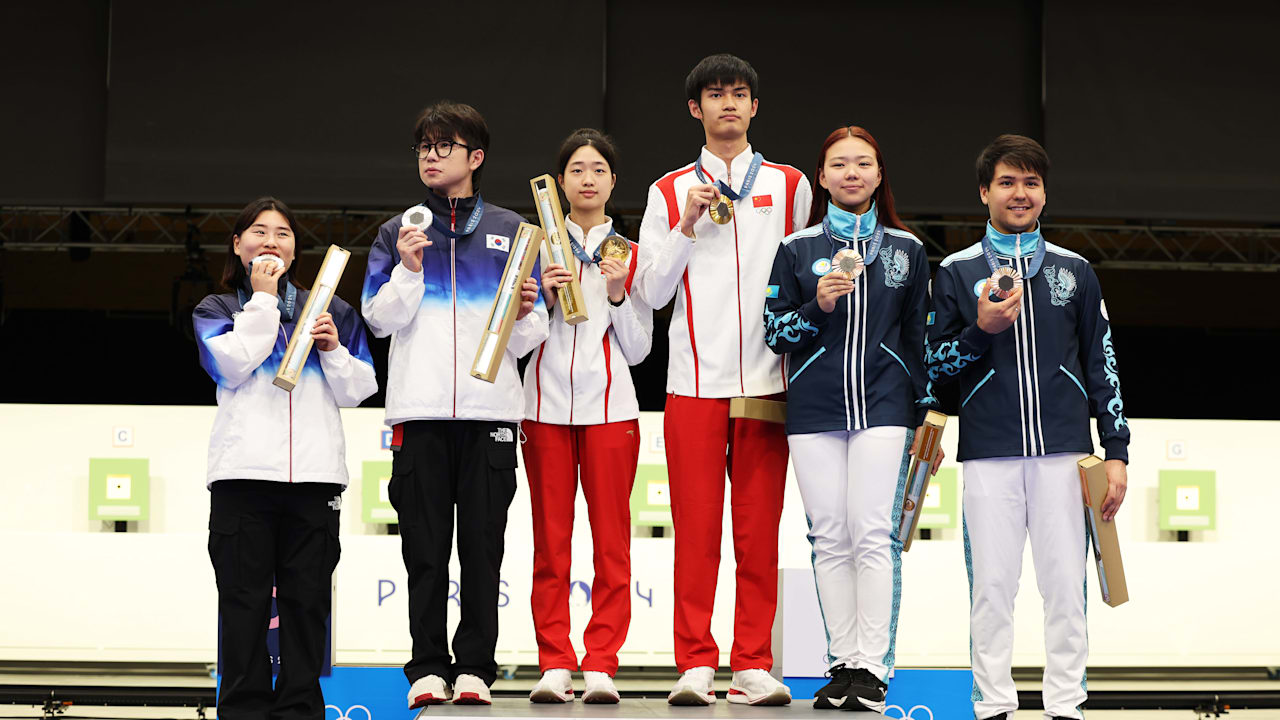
{"points": [[721, 210], [616, 247]]}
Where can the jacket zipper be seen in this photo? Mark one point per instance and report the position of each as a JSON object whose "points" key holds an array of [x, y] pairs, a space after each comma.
{"points": [[453, 281], [573, 354], [290, 420], [737, 258], [848, 321]]}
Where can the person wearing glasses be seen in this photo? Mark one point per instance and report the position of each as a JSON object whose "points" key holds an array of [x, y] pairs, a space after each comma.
{"points": [[581, 422], [453, 436], [847, 303]]}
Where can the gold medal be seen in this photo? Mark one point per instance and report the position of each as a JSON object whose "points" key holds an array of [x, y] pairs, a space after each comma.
{"points": [[849, 262], [721, 210], [616, 247], [1004, 281]]}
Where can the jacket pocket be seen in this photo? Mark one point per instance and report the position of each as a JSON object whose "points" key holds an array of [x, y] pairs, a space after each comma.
{"points": [[806, 364], [976, 388], [894, 355], [1075, 380]]}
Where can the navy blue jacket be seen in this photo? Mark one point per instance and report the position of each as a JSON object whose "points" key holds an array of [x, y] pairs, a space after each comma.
{"points": [[1029, 390], [861, 365]]}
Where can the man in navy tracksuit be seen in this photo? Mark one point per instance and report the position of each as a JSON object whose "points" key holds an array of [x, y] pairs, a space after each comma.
{"points": [[1033, 367]]}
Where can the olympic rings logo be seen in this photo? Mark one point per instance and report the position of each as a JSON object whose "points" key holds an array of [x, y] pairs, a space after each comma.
{"points": [[905, 714], [346, 715]]}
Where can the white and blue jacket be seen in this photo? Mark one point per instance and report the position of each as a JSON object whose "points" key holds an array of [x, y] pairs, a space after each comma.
{"points": [[262, 432], [859, 366], [1029, 390], [436, 317]]}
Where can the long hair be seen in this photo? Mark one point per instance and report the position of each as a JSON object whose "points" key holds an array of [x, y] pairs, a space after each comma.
{"points": [[886, 213], [233, 273]]}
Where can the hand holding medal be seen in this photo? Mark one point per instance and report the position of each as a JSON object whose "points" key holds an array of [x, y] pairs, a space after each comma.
{"points": [[697, 201], [1004, 281], [411, 238], [997, 316]]}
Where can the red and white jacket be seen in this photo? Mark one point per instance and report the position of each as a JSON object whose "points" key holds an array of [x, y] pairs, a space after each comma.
{"points": [[720, 280], [581, 374]]}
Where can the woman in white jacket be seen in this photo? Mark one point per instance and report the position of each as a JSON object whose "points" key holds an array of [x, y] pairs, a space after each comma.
{"points": [[277, 466], [581, 422]]}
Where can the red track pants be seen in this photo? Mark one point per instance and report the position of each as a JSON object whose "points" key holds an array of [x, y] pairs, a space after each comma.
{"points": [[702, 444], [606, 455]]}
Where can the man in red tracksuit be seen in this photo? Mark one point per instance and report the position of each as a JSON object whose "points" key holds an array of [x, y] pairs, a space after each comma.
{"points": [[713, 228]]}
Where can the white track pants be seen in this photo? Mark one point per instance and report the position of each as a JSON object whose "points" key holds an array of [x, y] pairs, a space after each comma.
{"points": [[1005, 500], [852, 484]]}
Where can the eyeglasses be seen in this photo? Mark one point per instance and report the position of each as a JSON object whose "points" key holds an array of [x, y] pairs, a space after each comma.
{"points": [[443, 148]]}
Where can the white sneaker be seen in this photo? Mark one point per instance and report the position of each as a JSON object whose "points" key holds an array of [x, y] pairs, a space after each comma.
{"points": [[471, 690], [757, 687], [694, 687], [600, 689], [429, 690], [556, 686]]}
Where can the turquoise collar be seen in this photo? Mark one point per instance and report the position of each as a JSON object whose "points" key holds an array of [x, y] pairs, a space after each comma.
{"points": [[1007, 244], [844, 223]]}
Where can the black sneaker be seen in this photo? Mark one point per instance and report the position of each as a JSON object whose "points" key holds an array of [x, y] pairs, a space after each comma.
{"points": [[834, 694], [866, 692]]}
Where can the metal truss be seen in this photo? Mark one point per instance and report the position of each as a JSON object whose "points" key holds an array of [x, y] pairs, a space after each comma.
{"points": [[1114, 245]]}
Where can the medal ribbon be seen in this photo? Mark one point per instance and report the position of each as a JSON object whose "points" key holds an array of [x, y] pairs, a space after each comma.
{"points": [[747, 182], [989, 251], [286, 303], [470, 227], [581, 253], [873, 245]]}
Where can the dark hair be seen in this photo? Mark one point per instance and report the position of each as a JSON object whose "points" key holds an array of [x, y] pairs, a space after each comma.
{"points": [[587, 136], [1019, 151], [446, 120], [886, 212], [233, 274], [720, 69]]}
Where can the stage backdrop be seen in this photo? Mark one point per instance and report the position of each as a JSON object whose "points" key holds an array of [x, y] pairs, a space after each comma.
{"points": [[77, 591]]}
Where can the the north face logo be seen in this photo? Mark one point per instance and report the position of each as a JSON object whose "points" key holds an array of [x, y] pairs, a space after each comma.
{"points": [[503, 435], [335, 503]]}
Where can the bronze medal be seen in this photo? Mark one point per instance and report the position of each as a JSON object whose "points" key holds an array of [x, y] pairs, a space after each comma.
{"points": [[721, 210], [616, 247], [849, 262], [1004, 281]]}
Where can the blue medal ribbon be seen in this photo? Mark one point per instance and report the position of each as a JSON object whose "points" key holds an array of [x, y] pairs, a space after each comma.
{"points": [[993, 261], [472, 222], [873, 246], [581, 252], [747, 182], [285, 303]]}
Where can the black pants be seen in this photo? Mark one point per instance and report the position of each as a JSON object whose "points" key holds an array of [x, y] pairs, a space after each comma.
{"points": [[260, 531], [443, 464]]}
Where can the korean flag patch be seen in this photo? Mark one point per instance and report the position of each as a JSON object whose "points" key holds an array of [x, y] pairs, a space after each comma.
{"points": [[498, 242]]}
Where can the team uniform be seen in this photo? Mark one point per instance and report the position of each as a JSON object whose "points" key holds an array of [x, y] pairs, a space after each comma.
{"points": [[717, 352], [581, 420], [276, 472], [858, 389], [454, 436], [1027, 394]]}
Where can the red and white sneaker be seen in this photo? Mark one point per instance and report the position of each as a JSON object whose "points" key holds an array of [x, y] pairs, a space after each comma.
{"points": [[429, 690], [694, 687], [471, 690], [757, 687], [556, 686]]}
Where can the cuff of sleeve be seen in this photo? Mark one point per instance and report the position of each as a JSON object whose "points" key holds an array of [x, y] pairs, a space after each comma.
{"points": [[976, 339], [263, 300], [334, 358], [402, 274], [814, 314], [626, 297], [921, 412], [1116, 449]]}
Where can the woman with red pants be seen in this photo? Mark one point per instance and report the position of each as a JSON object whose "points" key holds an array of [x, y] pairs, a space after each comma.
{"points": [[581, 423]]}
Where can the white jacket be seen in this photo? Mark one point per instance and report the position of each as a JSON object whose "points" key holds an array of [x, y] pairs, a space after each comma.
{"points": [[581, 374], [262, 432], [720, 280], [436, 318]]}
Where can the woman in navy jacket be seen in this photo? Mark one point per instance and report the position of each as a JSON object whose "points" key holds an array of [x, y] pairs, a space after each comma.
{"points": [[847, 301]]}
